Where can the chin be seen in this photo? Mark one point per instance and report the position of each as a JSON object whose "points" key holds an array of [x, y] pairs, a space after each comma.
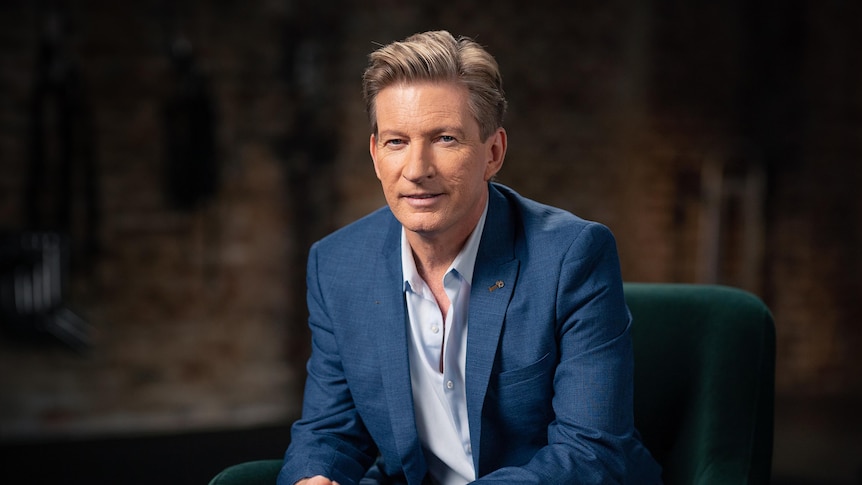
{"points": [[421, 227]]}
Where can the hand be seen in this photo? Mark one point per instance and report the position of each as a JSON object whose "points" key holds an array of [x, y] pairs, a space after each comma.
{"points": [[318, 480]]}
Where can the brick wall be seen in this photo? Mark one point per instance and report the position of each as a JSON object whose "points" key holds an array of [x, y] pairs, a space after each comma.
{"points": [[615, 111]]}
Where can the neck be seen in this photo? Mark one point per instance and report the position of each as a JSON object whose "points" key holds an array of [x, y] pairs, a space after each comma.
{"points": [[433, 257]]}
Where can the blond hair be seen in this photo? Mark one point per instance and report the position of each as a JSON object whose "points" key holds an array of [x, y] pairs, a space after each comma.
{"points": [[437, 56]]}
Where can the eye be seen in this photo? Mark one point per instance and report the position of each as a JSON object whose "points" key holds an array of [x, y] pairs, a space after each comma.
{"points": [[394, 142], [447, 138]]}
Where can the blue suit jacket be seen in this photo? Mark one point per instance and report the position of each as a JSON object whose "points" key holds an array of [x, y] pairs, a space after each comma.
{"points": [[549, 358]]}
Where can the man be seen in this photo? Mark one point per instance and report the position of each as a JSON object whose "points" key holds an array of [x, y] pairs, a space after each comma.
{"points": [[462, 333]]}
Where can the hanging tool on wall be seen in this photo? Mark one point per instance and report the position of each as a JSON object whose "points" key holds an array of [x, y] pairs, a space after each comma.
{"points": [[191, 166], [60, 203]]}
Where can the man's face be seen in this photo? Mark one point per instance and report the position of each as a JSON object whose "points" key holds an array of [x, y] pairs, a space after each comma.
{"points": [[431, 160]]}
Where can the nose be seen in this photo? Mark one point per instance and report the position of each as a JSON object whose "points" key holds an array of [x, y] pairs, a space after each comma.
{"points": [[418, 164]]}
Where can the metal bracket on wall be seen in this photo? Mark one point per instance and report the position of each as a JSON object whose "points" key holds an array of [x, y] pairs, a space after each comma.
{"points": [[33, 271]]}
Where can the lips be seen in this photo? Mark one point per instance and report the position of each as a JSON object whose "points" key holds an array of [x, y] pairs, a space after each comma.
{"points": [[421, 196], [421, 200]]}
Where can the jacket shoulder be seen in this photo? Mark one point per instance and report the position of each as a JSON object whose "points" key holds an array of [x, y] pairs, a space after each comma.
{"points": [[360, 235], [542, 222]]}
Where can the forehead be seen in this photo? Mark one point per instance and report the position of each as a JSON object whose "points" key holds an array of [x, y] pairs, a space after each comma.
{"points": [[422, 103]]}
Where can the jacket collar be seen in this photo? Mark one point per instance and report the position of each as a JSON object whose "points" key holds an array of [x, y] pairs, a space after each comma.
{"points": [[494, 280], [393, 356]]}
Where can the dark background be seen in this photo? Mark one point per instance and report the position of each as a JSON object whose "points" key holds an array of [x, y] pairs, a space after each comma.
{"points": [[179, 158]]}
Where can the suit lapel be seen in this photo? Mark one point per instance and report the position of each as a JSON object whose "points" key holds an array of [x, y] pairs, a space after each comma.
{"points": [[494, 279], [393, 356]]}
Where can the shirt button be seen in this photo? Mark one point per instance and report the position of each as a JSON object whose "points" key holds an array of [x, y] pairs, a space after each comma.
{"points": [[468, 449], [435, 329], [449, 384]]}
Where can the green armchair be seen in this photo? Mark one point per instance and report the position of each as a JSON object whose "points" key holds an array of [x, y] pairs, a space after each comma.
{"points": [[704, 386], [704, 381]]}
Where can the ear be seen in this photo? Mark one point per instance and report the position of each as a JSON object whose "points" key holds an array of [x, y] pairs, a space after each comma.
{"points": [[495, 153], [372, 148]]}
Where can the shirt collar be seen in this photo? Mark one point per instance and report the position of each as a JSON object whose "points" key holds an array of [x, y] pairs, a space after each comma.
{"points": [[463, 264]]}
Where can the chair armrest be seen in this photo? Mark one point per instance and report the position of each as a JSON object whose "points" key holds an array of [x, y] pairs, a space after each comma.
{"points": [[259, 472]]}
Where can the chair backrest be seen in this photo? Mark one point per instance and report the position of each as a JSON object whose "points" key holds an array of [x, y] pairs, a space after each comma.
{"points": [[704, 381]]}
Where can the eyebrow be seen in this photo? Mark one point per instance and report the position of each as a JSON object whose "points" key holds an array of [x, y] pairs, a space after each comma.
{"points": [[458, 132]]}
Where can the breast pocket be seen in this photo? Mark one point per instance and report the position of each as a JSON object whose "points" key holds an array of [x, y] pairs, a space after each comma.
{"points": [[527, 373], [519, 403]]}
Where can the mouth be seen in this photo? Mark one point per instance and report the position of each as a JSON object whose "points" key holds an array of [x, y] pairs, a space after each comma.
{"points": [[421, 196], [421, 200]]}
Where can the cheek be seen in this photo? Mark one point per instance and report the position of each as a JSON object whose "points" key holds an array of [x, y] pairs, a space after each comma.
{"points": [[471, 172], [386, 170]]}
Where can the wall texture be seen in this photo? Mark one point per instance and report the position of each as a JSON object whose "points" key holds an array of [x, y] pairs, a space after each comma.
{"points": [[721, 143]]}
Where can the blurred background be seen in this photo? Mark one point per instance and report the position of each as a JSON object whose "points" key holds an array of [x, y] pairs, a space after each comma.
{"points": [[165, 165]]}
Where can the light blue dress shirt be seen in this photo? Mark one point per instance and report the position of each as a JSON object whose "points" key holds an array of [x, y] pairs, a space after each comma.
{"points": [[439, 398]]}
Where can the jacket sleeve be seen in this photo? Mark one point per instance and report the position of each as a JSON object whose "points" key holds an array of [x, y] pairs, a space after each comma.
{"points": [[591, 439], [330, 438]]}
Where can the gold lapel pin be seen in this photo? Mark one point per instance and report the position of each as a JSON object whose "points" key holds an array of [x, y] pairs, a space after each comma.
{"points": [[498, 284]]}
